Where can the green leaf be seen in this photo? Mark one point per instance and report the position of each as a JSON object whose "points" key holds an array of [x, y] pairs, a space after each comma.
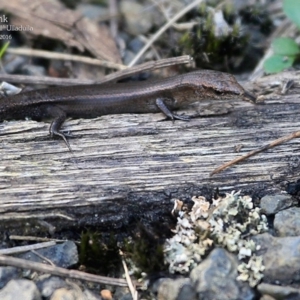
{"points": [[285, 46], [277, 63], [3, 49], [292, 10]]}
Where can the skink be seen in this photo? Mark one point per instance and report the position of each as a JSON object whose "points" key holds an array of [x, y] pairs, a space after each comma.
{"points": [[89, 101]]}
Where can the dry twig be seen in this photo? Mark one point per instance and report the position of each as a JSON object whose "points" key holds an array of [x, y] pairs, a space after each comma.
{"points": [[74, 274], [21, 249], [151, 65], [279, 141], [65, 56], [132, 289], [35, 239], [163, 29]]}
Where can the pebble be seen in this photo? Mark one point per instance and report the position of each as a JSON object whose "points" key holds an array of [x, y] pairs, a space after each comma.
{"points": [[106, 295], [128, 57], [135, 45], [215, 278], [267, 297], [62, 255], [8, 273], [13, 63], [176, 289], [287, 222], [47, 284], [66, 294], [33, 70], [281, 257], [123, 293], [20, 289], [91, 296], [137, 20], [126, 297], [271, 204]]}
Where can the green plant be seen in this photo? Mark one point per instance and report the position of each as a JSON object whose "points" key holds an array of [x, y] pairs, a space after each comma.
{"points": [[3, 49], [286, 50], [98, 254]]}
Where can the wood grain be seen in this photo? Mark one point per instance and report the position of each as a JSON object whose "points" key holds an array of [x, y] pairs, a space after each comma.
{"points": [[131, 166]]}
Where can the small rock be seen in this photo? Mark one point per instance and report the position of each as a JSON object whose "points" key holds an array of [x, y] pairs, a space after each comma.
{"points": [[281, 257], [126, 297], [122, 292], [20, 289], [67, 294], [278, 292], [128, 56], [138, 21], [287, 222], [176, 289], [33, 70], [215, 278], [271, 204], [7, 274], [106, 294], [266, 297], [136, 45], [48, 284], [13, 63], [89, 295], [62, 255]]}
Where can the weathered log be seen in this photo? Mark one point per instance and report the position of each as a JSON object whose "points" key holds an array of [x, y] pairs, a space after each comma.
{"points": [[132, 165]]}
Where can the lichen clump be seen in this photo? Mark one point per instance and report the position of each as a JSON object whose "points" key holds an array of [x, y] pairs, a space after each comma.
{"points": [[227, 222]]}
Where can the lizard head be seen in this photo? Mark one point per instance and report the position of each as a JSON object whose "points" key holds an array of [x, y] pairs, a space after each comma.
{"points": [[210, 84]]}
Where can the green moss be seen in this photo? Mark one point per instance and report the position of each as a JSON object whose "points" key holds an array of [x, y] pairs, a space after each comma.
{"points": [[235, 48], [99, 255], [145, 250]]}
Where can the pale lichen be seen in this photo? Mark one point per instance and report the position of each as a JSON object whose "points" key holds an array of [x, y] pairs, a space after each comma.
{"points": [[229, 222], [252, 271]]}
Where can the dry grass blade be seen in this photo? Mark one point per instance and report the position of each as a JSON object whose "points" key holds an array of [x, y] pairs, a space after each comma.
{"points": [[74, 274], [65, 56], [132, 289], [163, 29], [26, 248], [279, 141], [151, 65]]}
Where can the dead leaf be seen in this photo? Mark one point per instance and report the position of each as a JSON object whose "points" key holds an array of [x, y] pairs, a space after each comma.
{"points": [[51, 19]]}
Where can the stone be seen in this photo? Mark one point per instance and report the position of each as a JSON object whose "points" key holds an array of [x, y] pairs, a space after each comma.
{"points": [[137, 20], [48, 284], [281, 257], [66, 294], [89, 295], [215, 278], [176, 289], [271, 204], [7, 274], [62, 255], [287, 222], [20, 289]]}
